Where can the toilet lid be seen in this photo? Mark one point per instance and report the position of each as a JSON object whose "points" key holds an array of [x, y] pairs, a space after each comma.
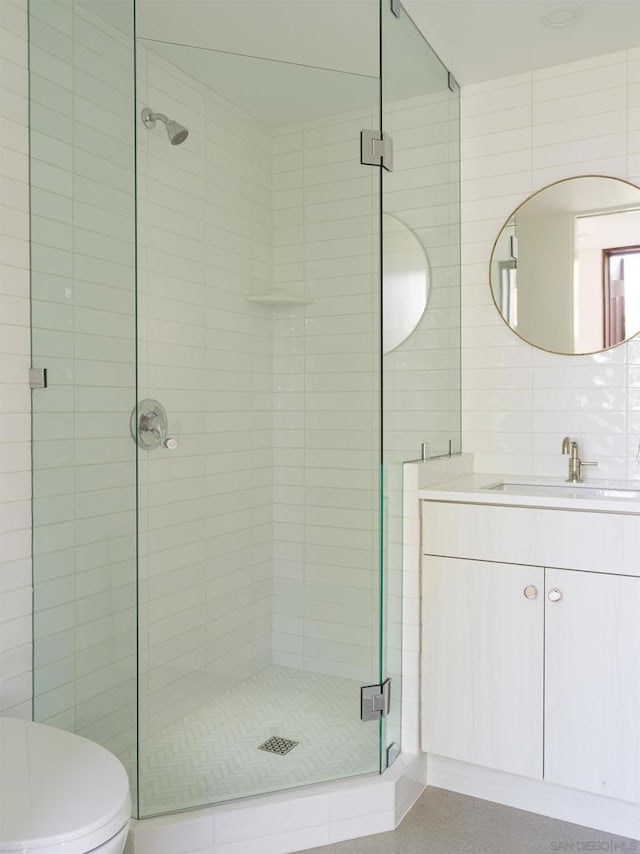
{"points": [[58, 789]]}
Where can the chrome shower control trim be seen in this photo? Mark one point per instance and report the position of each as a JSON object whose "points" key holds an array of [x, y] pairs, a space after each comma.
{"points": [[149, 426]]}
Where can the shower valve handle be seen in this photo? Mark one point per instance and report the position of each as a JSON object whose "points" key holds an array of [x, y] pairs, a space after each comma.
{"points": [[149, 426]]}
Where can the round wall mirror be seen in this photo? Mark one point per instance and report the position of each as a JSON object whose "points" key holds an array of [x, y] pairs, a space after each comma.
{"points": [[405, 282], [565, 268]]}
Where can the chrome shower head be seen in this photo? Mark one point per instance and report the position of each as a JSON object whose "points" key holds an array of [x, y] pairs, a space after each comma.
{"points": [[176, 132]]}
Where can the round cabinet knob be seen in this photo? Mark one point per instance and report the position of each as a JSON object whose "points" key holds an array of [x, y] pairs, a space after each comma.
{"points": [[555, 595], [170, 444], [530, 591]]}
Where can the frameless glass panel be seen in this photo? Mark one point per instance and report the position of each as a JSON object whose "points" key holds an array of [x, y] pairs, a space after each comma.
{"points": [[421, 375], [259, 336], [83, 334]]}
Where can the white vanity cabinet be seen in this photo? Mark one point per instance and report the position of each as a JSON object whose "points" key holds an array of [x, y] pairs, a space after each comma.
{"points": [[483, 660], [529, 668], [592, 683]]}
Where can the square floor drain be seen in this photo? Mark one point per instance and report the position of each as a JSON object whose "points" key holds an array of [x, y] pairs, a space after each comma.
{"points": [[278, 745]]}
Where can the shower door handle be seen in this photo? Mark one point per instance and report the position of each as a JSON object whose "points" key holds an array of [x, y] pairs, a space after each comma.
{"points": [[149, 426]]}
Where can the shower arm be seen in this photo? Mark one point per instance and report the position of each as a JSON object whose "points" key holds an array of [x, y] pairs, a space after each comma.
{"points": [[150, 118]]}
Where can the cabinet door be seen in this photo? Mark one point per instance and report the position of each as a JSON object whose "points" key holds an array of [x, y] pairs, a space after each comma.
{"points": [[482, 659], [592, 667]]}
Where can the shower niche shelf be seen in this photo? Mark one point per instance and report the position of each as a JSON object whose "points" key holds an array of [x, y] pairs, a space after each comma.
{"points": [[276, 298]]}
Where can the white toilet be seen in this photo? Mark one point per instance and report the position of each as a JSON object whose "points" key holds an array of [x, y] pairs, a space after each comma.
{"points": [[59, 793]]}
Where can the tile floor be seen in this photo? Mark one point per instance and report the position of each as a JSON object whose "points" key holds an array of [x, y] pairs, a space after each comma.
{"points": [[212, 754], [444, 822]]}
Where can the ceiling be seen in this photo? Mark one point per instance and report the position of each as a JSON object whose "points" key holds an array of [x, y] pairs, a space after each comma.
{"points": [[477, 39], [483, 39], [276, 93], [337, 34], [286, 61]]}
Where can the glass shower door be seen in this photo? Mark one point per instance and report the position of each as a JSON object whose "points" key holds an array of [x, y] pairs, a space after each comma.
{"points": [[83, 307], [258, 333], [421, 318], [208, 522]]}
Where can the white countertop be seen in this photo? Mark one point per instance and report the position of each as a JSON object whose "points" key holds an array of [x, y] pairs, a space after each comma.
{"points": [[471, 489]]}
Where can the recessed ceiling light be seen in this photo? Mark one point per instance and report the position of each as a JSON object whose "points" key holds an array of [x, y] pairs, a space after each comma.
{"points": [[561, 16]]}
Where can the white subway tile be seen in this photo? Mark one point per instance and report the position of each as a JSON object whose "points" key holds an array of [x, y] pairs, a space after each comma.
{"points": [[588, 106], [585, 150], [579, 121], [577, 81]]}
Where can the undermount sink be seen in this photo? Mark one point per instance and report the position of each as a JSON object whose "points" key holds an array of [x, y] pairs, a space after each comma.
{"points": [[564, 490]]}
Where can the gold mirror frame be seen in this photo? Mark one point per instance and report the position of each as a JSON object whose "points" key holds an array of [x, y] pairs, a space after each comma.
{"points": [[507, 222]]}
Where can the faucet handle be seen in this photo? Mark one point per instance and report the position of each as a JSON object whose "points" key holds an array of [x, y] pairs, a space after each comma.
{"points": [[580, 463], [566, 445]]}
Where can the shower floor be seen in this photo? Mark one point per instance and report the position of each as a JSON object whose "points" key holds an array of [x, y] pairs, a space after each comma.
{"points": [[212, 754]]}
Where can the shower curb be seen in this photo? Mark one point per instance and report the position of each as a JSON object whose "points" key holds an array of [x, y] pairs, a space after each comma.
{"points": [[289, 821]]}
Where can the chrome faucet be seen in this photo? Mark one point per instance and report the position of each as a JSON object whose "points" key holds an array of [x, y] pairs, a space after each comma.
{"points": [[570, 446]]}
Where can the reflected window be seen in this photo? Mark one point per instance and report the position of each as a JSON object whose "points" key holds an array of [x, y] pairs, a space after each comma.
{"points": [[621, 288], [556, 238], [509, 292]]}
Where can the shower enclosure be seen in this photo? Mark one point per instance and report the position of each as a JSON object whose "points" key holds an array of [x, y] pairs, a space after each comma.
{"points": [[217, 453]]}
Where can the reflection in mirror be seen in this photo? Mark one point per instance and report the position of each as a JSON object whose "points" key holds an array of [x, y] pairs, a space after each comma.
{"points": [[405, 282], [621, 299], [565, 268]]}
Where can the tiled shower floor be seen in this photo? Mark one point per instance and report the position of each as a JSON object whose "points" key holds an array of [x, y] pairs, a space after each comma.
{"points": [[212, 754]]}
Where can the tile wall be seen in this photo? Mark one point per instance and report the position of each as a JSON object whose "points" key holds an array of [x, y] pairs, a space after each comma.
{"points": [[520, 133], [326, 385], [15, 425], [326, 370], [422, 376], [204, 216], [83, 322]]}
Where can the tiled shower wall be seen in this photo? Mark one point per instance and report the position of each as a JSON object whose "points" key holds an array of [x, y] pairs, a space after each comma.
{"points": [[519, 134], [326, 389], [83, 324], [204, 234], [15, 426], [326, 371]]}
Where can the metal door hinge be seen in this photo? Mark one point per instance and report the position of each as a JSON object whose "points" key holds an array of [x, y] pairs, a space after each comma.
{"points": [[37, 377], [452, 83], [375, 701], [396, 8], [376, 149], [392, 754]]}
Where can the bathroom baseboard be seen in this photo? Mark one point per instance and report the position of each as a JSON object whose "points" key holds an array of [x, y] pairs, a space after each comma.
{"points": [[548, 799]]}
